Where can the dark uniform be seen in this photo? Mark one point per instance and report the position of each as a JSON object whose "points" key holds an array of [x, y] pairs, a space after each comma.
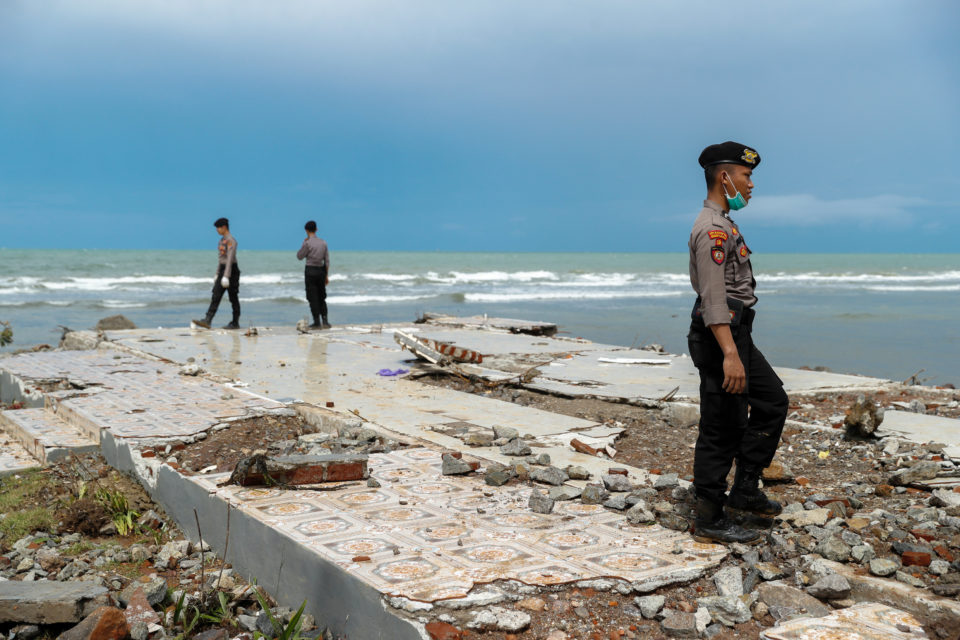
{"points": [[745, 427]]}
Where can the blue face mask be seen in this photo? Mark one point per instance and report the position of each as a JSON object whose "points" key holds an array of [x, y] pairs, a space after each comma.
{"points": [[736, 202]]}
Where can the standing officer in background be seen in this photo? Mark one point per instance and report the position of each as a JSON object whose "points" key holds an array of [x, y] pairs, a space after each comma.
{"points": [[316, 275], [228, 277], [742, 402]]}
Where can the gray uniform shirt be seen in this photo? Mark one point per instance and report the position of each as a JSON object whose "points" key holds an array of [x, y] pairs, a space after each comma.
{"points": [[315, 251], [719, 264], [228, 253]]}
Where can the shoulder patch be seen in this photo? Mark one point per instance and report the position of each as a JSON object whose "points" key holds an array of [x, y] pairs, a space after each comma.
{"points": [[743, 250], [718, 255], [717, 234]]}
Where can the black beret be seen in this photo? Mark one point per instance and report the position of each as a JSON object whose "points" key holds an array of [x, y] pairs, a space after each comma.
{"points": [[729, 153]]}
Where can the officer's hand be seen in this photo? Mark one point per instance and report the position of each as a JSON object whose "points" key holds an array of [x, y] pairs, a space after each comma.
{"points": [[328, 280], [734, 377]]}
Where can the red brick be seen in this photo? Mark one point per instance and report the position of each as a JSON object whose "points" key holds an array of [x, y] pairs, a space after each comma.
{"points": [[825, 502], [802, 481], [583, 447], [923, 535], [329, 404], [617, 471], [342, 471], [106, 623], [915, 559], [361, 558], [884, 490], [148, 453], [443, 631], [944, 553]]}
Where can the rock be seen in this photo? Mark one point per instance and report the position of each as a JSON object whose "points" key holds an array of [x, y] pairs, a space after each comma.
{"points": [[49, 559], [150, 519], [373, 483], [862, 553], [105, 623], [769, 571], [24, 632], [702, 619], [666, 481], [118, 322], [673, 521], [577, 472], [616, 482], [154, 590], [944, 498], [649, 606], [171, 554], [190, 369], [784, 597], [516, 447], [549, 475], [139, 609], [139, 553], [617, 502], [805, 518], [532, 604], [213, 634], [139, 631], [922, 470], [639, 514], [478, 440], [681, 415], [540, 502], [508, 433], [830, 587], [729, 581], [247, 623], [883, 567], [863, 417], [565, 492], [499, 619], [498, 475], [777, 472], [48, 602], [80, 340], [543, 458], [266, 626], [913, 581], [727, 610], [452, 466], [680, 624], [593, 494], [556, 634], [833, 548], [939, 567]]}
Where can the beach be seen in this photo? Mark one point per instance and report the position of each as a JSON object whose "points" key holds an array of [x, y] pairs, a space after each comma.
{"points": [[888, 315]]}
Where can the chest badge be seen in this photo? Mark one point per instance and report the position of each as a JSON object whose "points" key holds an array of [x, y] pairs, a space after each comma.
{"points": [[718, 255]]}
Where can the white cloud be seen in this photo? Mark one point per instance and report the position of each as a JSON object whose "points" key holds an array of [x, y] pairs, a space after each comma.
{"points": [[807, 210]]}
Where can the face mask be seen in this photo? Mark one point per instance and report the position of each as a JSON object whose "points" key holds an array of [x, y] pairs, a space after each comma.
{"points": [[736, 202]]}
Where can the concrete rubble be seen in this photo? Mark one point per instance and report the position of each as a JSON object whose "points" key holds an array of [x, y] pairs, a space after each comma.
{"points": [[424, 540]]}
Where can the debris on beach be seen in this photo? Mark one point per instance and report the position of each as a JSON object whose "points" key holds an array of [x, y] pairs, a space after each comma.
{"points": [[863, 417]]}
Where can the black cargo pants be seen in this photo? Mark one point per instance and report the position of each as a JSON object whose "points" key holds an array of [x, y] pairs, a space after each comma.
{"points": [[745, 427], [233, 292], [315, 282]]}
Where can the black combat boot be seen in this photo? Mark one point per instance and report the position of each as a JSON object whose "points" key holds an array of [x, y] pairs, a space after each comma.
{"points": [[316, 324], [234, 324], [747, 496], [326, 325], [711, 526], [205, 323]]}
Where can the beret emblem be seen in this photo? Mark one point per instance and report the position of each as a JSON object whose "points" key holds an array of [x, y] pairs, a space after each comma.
{"points": [[749, 155]]}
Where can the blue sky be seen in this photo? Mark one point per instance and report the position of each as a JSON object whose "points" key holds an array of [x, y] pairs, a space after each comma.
{"points": [[490, 126]]}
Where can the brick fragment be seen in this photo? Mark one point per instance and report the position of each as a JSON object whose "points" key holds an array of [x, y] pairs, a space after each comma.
{"points": [[944, 553], [443, 631], [915, 559], [583, 447], [617, 471]]}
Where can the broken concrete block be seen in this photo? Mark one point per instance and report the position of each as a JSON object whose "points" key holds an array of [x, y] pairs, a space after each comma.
{"points": [[639, 514], [594, 494], [106, 623], [782, 596], [680, 624], [540, 502], [618, 502], [565, 492], [883, 567], [139, 609], [80, 340], [516, 447], [549, 475], [454, 466], [923, 470], [508, 433], [499, 619], [49, 602], [261, 470], [649, 606], [577, 472], [830, 587], [616, 482], [729, 581], [727, 610], [681, 415], [498, 475]]}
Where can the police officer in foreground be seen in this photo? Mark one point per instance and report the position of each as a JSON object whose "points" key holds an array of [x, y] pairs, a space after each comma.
{"points": [[742, 402]]}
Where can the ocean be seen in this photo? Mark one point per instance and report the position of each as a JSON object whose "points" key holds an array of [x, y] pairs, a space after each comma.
{"points": [[886, 315]]}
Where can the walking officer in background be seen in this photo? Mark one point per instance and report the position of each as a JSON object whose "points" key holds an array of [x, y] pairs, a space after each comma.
{"points": [[227, 279], [742, 402], [316, 274]]}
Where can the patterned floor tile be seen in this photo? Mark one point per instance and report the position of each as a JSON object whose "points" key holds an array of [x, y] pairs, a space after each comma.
{"points": [[39, 430], [865, 621], [13, 457]]}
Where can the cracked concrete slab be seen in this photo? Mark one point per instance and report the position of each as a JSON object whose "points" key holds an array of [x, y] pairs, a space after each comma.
{"points": [[921, 428]]}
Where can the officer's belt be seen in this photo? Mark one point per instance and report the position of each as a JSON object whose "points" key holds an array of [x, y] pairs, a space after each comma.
{"points": [[740, 316]]}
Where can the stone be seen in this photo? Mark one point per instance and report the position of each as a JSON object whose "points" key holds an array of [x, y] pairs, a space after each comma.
{"points": [[543, 458], [805, 518], [702, 619], [549, 475], [80, 340], [247, 623], [540, 502], [681, 415], [593, 494], [452, 466], [532, 604], [49, 559], [777, 472], [922, 470], [154, 590], [639, 514], [508, 433], [833, 548], [616, 482], [499, 619], [48, 602], [649, 606], [680, 624], [139, 610], [478, 440], [727, 610], [729, 581], [912, 580], [577, 472], [443, 631], [150, 519], [831, 587], [617, 502], [139, 553], [862, 553], [883, 567], [782, 596], [118, 322], [105, 623], [939, 567], [499, 477], [556, 634], [944, 498], [863, 417], [24, 632], [666, 481], [769, 571], [171, 554], [213, 634], [516, 447], [565, 492], [673, 521]]}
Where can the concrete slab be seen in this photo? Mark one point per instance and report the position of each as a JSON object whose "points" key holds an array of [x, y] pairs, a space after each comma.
{"points": [[49, 602], [865, 621], [45, 435], [920, 428], [14, 457]]}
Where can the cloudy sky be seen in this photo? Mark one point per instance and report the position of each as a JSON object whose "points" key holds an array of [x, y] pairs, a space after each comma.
{"points": [[505, 126]]}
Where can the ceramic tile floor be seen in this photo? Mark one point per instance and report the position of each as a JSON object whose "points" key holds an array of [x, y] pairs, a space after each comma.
{"points": [[38, 429], [865, 621], [13, 456], [133, 397], [431, 537]]}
